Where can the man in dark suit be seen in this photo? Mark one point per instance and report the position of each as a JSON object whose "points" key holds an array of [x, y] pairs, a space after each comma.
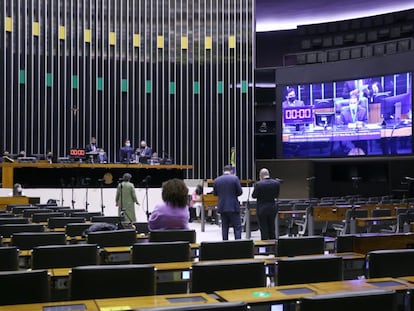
{"points": [[126, 152], [91, 147], [266, 191], [355, 112], [227, 188]]}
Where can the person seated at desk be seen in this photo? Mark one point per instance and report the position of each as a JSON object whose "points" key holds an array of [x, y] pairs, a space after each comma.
{"points": [[354, 116], [91, 147], [145, 150], [154, 159], [102, 158], [291, 100], [173, 212], [17, 190], [126, 152]]}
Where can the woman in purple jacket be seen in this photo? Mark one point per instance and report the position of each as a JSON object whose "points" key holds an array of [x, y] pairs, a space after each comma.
{"points": [[172, 213]]}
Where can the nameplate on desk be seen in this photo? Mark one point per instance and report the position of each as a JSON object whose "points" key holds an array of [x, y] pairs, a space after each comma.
{"points": [[385, 283], [296, 291], [73, 307], [186, 299]]}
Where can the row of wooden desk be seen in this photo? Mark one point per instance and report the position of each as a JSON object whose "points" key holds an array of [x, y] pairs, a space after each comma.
{"points": [[253, 296]]}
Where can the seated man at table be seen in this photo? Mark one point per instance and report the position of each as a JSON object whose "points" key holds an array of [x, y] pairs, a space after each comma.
{"points": [[354, 116], [354, 112]]}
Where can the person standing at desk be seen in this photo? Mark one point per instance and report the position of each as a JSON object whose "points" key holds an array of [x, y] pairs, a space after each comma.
{"points": [[173, 212], [227, 188], [126, 152], [125, 198], [266, 191]]}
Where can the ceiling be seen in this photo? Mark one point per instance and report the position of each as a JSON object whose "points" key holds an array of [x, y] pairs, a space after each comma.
{"points": [[288, 14]]}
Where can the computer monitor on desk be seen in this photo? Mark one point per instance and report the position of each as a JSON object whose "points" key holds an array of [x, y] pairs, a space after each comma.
{"points": [[325, 119], [394, 107]]}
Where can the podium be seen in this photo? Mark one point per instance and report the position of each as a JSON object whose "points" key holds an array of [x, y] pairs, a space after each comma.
{"points": [[209, 200]]}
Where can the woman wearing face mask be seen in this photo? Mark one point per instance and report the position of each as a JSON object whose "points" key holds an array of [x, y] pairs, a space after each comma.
{"points": [[17, 190]]}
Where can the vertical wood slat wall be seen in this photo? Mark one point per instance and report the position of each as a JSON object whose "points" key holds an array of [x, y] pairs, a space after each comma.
{"points": [[176, 73]]}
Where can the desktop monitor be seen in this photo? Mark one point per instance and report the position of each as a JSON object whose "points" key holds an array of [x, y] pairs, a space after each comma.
{"points": [[325, 119], [395, 107]]}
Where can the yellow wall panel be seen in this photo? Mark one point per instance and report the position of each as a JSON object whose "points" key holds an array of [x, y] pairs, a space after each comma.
{"points": [[36, 29], [112, 38], [8, 23], [88, 35]]}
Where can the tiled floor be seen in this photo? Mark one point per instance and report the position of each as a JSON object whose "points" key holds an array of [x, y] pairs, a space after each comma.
{"points": [[213, 232]]}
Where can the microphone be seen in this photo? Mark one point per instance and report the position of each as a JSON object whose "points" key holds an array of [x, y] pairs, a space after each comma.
{"points": [[147, 179], [409, 178], [310, 178], [356, 178], [279, 180], [101, 180], [121, 179]]}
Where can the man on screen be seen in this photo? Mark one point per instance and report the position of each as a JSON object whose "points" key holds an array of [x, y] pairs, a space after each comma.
{"points": [[291, 100], [354, 112]]}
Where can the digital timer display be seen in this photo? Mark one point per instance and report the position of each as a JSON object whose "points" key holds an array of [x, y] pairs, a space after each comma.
{"points": [[77, 153], [297, 115]]}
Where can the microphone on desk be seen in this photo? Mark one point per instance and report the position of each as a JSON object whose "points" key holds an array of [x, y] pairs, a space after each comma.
{"points": [[409, 178], [356, 178], [310, 178]]}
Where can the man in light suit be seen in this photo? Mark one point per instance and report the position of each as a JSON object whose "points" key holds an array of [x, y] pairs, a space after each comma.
{"points": [[266, 191], [227, 188]]}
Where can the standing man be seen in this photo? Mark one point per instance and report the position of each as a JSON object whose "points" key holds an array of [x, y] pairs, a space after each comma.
{"points": [[126, 197], [227, 188], [266, 191]]}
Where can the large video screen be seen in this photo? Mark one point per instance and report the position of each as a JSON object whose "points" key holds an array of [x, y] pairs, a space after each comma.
{"points": [[363, 117]]}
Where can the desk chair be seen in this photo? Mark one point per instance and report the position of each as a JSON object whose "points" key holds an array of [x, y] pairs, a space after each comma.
{"points": [[141, 227], [110, 281], [64, 256], [225, 306], [232, 249], [86, 215], [380, 225], [69, 211], [9, 258], [13, 220], [7, 230], [76, 229], [307, 245], [188, 235], [9, 207], [229, 274], [344, 227], [44, 217], [156, 252], [124, 237], [29, 212], [309, 270], [19, 287], [61, 222], [108, 219], [19, 209], [29, 240], [389, 263]]}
